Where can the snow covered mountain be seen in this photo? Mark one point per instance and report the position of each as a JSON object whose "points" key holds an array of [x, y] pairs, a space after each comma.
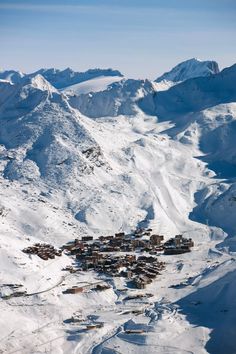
{"points": [[160, 159], [11, 75], [44, 135], [64, 78], [193, 95], [119, 98], [203, 112], [189, 69], [213, 132]]}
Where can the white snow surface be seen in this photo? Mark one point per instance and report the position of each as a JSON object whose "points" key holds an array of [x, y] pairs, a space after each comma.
{"points": [[64, 175], [100, 83], [119, 98], [189, 69]]}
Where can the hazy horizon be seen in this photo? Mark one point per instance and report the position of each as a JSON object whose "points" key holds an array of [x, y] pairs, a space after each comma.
{"points": [[139, 38]]}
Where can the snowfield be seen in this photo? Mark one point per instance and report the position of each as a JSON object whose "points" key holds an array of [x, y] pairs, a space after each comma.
{"points": [[93, 85], [108, 154]]}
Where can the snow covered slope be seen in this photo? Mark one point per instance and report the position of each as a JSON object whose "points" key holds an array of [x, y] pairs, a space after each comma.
{"points": [[64, 78], [157, 98], [100, 83], [213, 131], [118, 98], [189, 69], [45, 137], [193, 95]]}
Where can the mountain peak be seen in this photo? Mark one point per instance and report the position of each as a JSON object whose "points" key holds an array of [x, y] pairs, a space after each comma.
{"points": [[39, 82], [12, 76], [189, 69], [67, 77]]}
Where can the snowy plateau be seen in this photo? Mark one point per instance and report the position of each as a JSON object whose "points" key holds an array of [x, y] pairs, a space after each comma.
{"points": [[94, 154]]}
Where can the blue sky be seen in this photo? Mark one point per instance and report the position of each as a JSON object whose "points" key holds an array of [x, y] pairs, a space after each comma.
{"points": [[142, 38]]}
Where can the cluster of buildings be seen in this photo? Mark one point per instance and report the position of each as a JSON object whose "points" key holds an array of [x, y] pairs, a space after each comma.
{"points": [[100, 286], [178, 245], [44, 250], [138, 270], [106, 255], [87, 323], [117, 255], [141, 240]]}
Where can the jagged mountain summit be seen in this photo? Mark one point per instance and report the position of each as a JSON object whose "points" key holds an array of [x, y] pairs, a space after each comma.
{"points": [[64, 78], [12, 76], [193, 95], [68, 79], [189, 69], [43, 135]]}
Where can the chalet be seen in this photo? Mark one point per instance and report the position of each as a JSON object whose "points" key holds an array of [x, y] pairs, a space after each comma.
{"points": [[141, 281], [116, 242], [74, 290], [128, 247], [147, 259], [138, 243], [151, 270], [149, 274], [77, 318], [130, 257], [176, 250], [101, 287], [134, 331], [87, 238], [139, 270], [189, 242], [94, 325], [178, 245], [120, 235], [76, 250], [156, 239], [108, 249], [109, 237]]}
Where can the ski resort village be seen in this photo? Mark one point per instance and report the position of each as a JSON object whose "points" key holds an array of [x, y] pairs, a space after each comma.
{"points": [[134, 257]]}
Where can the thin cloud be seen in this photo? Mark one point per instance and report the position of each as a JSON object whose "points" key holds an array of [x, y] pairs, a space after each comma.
{"points": [[48, 7], [112, 8], [108, 9]]}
